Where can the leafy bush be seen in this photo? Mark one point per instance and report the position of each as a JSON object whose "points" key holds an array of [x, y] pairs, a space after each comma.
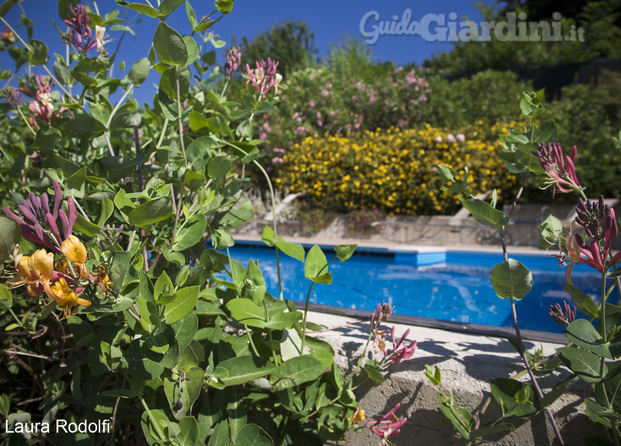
{"points": [[488, 96], [120, 305], [393, 170], [319, 101], [588, 117]]}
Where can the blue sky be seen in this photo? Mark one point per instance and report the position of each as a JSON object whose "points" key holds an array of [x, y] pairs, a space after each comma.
{"points": [[329, 20]]}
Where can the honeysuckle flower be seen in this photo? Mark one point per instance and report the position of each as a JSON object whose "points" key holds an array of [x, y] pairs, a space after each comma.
{"points": [[75, 251], [100, 32], [382, 312], [599, 222], [8, 36], [563, 315], [80, 33], [399, 350], [461, 137], [65, 296], [387, 426], [36, 270], [359, 415], [233, 60], [450, 138], [41, 105], [264, 76], [39, 224], [559, 168], [13, 96]]}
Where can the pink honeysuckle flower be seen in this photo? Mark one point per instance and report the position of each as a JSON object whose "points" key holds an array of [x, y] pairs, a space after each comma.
{"points": [[13, 96], [461, 137], [80, 33], [387, 426], [264, 76], [39, 224], [399, 350], [450, 138], [233, 60], [599, 222], [559, 168], [564, 315], [382, 312]]}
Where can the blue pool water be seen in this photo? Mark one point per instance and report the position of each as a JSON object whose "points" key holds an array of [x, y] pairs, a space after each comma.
{"points": [[451, 285]]}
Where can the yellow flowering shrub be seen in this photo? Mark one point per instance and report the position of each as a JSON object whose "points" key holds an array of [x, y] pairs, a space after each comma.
{"points": [[395, 170]]}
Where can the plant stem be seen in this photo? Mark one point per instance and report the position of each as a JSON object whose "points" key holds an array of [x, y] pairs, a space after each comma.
{"points": [[518, 333], [273, 199], [152, 419], [325, 267]]}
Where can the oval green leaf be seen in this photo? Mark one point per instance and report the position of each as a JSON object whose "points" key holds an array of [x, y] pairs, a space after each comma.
{"points": [[169, 45], [511, 279]]}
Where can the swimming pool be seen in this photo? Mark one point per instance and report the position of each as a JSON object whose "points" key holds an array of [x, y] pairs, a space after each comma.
{"points": [[445, 284]]}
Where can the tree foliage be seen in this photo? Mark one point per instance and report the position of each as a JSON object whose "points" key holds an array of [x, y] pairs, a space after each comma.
{"points": [[291, 43]]}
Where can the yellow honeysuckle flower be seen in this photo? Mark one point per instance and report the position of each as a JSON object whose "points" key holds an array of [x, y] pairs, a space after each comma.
{"points": [[41, 265], [64, 295], [74, 250]]}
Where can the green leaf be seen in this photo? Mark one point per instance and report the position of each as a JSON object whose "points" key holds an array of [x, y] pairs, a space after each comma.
{"points": [[169, 45], [163, 286], [484, 213], [6, 6], [584, 364], [374, 371], [344, 252], [253, 435], [516, 138], [221, 435], [545, 132], [139, 71], [582, 333], [583, 301], [184, 301], [268, 236], [61, 70], [191, 48], [222, 239], [293, 250], [514, 397], [219, 167], [316, 265], [246, 312], [461, 419], [168, 6], [296, 371], [151, 212], [511, 279], [188, 426], [199, 152], [435, 377], [86, 227], [242, 369], [140, 8], [224, 6], [38, 55], [551, 229], [191, 15], [191, 233], [75, 184], [6, 298], [10, 235], [83, 125]]}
